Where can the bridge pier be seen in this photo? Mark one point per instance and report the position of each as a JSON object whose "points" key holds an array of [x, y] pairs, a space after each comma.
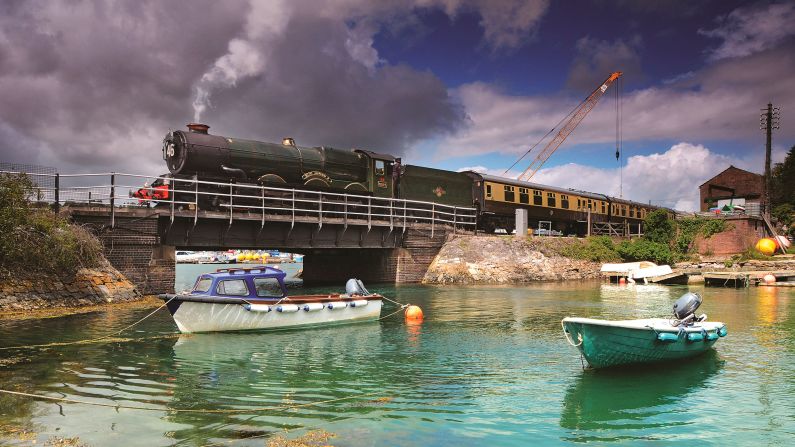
{"points": [[133, 246]]}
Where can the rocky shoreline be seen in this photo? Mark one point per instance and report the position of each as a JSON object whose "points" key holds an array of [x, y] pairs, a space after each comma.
{"points": [[504, 260], [86, 287]]}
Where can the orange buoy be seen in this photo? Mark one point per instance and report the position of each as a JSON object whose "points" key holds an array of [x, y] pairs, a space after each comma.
{"points": [[769, 279], [766, 246], [622, 280], [414, 313]]}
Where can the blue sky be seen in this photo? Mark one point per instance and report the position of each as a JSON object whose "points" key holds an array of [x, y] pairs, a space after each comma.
{"points": [[93, 85]]}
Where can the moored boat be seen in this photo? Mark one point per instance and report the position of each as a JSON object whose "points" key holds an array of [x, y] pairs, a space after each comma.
{"points": [[605, 343], [255, 298]]}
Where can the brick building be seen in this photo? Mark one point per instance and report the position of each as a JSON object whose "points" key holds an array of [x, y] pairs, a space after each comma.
{"points": [[733, 185]]}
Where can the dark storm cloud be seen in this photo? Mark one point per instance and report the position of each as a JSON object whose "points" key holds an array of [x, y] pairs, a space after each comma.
{"points": [[93, 82], [596, 59], [314, 90], [93, 85]]}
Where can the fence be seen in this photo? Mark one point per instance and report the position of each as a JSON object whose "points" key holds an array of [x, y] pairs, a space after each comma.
{"points": [[198, 198]]}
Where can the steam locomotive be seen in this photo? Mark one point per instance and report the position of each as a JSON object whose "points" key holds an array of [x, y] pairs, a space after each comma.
{"points": [[196, 154]]}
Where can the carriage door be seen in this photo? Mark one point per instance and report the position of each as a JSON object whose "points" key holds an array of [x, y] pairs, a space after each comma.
{"points": [[382, 178]]}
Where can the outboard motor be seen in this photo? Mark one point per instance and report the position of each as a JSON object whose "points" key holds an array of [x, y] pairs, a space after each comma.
{"points": [[685, 309], [355, 287]]}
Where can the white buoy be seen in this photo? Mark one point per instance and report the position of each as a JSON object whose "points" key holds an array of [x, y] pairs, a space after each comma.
{"points": [[257, 307], [359, 303], [336, 305], [287, 308], [312, 307]]}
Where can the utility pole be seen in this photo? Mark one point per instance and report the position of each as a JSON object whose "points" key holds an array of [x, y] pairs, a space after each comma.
{"points": [[768, 120]]}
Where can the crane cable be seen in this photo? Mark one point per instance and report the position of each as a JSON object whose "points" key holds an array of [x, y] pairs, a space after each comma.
{"points": [[545, 136], [620, 135]]}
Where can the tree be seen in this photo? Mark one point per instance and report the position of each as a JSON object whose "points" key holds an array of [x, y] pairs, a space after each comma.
{"points": [[658, 227], [783, 181]]}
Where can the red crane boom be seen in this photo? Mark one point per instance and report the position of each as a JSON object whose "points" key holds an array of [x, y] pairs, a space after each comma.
{"points": [[577, 116]]}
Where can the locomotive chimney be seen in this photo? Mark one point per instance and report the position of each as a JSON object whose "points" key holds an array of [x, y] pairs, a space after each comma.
{"points": [[198, 128]]}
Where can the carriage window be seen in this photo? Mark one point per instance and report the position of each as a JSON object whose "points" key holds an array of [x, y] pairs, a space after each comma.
{"points": [[379, 167], [604, 208], [550, 199], [488, 191], [234, 287], [203, 284], [537, 198], [564, 202], [632, 212], [509, 196], [590, 204], [524, 195], [623, 210], [268, 288]]}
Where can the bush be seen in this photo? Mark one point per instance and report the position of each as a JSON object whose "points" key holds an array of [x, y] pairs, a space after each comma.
{"points": [[645, 250], [659, 228], [36, 239], [785, 213], [595, 248]]}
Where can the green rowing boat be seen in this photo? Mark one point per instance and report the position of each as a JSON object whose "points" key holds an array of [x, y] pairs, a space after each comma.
{"points": [[606, 343]]}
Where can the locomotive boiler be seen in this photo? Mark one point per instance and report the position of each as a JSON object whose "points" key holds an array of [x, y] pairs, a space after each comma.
{"points": [[219, 158]]}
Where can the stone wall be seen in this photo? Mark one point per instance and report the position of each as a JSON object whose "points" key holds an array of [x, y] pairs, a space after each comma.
{"points": [[86, 287], [502, 260], [133, 247], [742, 234]]}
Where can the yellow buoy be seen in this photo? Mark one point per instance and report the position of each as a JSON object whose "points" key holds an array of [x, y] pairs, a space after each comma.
{"points": [[766, 246], [414, 313]]}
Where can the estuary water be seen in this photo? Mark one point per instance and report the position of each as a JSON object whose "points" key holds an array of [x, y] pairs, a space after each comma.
{"points": [[488, 366]]}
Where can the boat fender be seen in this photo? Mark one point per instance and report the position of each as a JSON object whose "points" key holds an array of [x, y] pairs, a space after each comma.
{"points": [[257, 307], [712, 336], [695, 336], [311, 307], [722, 331], [667, 337], [359, 303], [287, 308], [336, 305]]}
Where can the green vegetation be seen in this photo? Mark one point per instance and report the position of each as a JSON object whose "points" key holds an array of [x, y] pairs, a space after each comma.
{"points": [[783, 181], [596, 249], [666, 241], [36, 239], [645, 250]]}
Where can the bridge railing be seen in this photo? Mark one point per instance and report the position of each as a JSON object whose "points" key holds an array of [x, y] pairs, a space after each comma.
{"points": [[189, 197]]}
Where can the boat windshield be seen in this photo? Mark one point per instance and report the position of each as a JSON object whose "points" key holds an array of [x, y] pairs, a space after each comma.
{"points": [[203, 284], [268, 288]]}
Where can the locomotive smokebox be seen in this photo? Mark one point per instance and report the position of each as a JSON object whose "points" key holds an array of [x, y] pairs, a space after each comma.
{"points": [[199, 128]]}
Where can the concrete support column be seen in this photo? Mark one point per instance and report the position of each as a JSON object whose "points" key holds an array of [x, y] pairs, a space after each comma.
{"points": [[521, 223]]}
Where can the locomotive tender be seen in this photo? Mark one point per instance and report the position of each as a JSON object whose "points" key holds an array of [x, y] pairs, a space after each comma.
{"points": [[198, 154]]}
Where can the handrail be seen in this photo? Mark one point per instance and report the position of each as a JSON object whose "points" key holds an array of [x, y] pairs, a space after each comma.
{"points": [[234, 200]]}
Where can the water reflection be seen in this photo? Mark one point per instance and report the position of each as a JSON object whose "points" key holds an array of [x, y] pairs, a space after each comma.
{"points": [[635, 398]]}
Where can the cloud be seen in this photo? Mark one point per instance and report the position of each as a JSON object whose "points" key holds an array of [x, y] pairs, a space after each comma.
{"points": [[94, 85], [596, 59], [749, 30], [669, 178], [718, 103]]}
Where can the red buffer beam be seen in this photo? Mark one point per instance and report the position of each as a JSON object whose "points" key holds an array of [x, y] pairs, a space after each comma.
{"points": [[577, 116]]}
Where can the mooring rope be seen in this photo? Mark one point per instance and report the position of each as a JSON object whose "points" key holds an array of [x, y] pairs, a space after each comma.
{"points": [[568, 338], [186, 410], [89, 340]]}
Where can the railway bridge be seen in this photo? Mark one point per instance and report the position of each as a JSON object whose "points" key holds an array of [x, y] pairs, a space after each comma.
{"points": [[341, 235]]}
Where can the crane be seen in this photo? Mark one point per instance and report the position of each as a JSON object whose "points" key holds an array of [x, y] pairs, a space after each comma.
{"points": [[569, 122]]}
